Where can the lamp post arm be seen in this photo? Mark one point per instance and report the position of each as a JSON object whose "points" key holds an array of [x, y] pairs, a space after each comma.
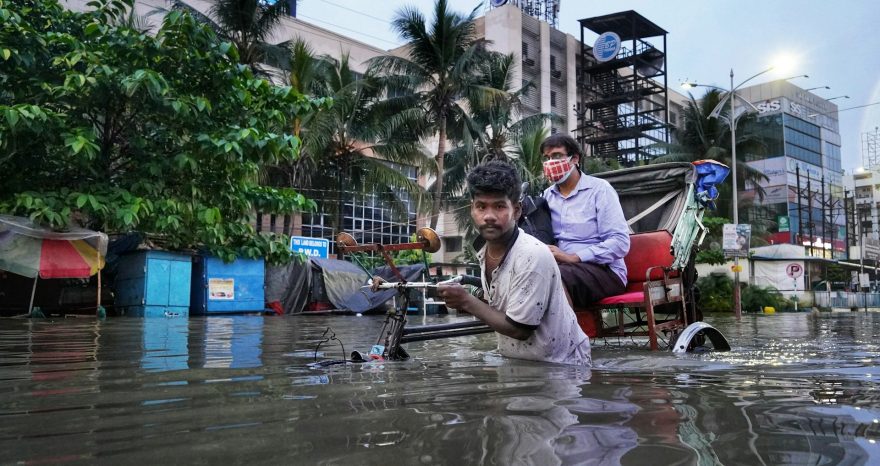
{"points": [[747, 80]]}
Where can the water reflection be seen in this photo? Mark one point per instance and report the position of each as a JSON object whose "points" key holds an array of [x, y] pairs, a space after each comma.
{"points": [[797, 389], [165, 344]]}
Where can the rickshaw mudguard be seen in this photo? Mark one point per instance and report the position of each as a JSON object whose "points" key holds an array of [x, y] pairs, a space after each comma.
{"points": [[687, 340]]}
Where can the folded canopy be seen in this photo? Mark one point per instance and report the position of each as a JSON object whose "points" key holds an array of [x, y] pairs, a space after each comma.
{"points": [[34, 251]]}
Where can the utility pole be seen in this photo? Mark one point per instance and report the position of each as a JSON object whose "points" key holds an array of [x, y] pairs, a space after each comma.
{"points": [[810, 216], [800, 235], [846, 222], [862, 220]]}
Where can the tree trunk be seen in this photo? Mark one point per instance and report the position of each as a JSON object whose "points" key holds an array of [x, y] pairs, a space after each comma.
{"points": [[438, 185]]}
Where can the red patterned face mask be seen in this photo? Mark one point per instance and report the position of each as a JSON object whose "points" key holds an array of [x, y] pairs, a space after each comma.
{"points": [[557, 171]]}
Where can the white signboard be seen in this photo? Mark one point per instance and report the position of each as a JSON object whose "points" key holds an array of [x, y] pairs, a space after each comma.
{"points": [[872, 248], [221, 289], [735, 239]]}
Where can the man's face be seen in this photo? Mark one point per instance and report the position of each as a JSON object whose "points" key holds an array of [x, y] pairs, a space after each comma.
{"points": [[494, 215], [555, 153], [559, 153]]}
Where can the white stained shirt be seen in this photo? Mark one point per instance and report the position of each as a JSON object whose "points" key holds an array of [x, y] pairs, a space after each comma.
{"points": [[528, 288]]}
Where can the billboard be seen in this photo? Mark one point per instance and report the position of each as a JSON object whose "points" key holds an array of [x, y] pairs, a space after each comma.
{"points": [[774, 168], [735, 239]]}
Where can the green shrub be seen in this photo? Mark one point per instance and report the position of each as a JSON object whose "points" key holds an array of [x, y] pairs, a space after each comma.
{"points": [[755, 298], [716, 293]]}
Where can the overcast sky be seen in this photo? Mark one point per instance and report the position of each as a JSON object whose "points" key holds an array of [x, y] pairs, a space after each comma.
{"points": [[836, 43]]}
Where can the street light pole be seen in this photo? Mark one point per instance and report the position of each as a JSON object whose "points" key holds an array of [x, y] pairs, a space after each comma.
{"points": [[737, 296], [716, 113]]}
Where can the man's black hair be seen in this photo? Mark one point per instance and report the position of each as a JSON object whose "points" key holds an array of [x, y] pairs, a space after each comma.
{"points": [[562, 140], [495, 177]]}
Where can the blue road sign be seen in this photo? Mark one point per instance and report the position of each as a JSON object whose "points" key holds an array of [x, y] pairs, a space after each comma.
{"points": [[311, 247]]}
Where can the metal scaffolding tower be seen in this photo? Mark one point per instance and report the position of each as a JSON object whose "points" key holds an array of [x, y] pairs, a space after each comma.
{"points": [[623, 105], [871, 149]]}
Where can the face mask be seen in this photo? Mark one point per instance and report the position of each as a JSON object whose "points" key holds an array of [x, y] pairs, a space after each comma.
{"points": [[557, 171]]}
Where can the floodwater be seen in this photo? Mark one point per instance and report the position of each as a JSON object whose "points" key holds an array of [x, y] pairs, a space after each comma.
{"points": [[796, 389]]}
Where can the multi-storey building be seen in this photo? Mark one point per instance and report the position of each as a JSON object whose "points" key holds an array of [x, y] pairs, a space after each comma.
{"points": [[553, 62], [549, 59], [801, 199]]}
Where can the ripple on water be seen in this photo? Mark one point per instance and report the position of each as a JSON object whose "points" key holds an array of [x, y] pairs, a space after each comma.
{"points": [[797, 388]]}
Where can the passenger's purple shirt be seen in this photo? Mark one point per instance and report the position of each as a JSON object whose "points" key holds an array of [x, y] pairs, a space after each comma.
{"points": [[590, 223]]}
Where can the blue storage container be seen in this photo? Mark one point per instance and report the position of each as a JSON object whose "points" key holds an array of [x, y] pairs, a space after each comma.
{"points": [[153, 283], [219, 287]]}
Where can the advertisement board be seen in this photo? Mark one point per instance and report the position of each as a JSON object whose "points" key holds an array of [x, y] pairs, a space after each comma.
{"points": [[774, 168], [736, 239]]}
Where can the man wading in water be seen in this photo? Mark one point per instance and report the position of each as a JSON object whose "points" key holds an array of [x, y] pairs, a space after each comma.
{"points": [[527, 306]]}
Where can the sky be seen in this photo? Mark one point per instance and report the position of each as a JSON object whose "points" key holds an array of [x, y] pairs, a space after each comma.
{"points": [[836, 43]]}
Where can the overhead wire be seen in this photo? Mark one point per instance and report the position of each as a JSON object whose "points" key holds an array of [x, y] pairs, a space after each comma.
{"points": [[396, 44], [358, 12]]}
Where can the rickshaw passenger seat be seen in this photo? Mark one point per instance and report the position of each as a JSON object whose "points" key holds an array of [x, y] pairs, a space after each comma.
{"points": [[650, 282]]}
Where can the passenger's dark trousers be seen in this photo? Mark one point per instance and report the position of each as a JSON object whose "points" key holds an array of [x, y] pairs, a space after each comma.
{"points": [[587, 283]]}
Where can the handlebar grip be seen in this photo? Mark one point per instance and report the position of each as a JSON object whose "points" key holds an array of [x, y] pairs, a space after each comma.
{"points": [[471, 280]]}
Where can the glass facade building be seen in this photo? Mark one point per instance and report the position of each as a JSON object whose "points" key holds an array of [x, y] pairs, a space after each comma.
{"points": [[800, 199]]}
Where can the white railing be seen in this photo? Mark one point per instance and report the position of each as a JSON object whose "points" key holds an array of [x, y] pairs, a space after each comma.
{"points": [[845, 299]]}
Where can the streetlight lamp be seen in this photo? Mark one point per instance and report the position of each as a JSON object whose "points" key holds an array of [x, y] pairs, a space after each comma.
{"points": [[819, 87], [838, 97], [732, 119]]}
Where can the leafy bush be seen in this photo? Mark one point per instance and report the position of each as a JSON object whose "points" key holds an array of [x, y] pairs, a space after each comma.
{"points": [[716, 295], [756, 298], [107, 127], [710, 252]]}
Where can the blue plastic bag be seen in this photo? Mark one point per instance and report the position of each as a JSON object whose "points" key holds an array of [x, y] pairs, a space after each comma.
{"points": [[709, 174]]}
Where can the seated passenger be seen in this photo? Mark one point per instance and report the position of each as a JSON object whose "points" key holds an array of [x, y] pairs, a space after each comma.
{"points": [[591, 233]]}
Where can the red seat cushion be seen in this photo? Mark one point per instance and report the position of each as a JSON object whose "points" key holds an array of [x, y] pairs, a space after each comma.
{"points": [[628, 297], [647, 249]]}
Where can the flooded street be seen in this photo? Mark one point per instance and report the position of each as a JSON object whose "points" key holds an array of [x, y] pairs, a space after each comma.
{"points": [[796, 389]]}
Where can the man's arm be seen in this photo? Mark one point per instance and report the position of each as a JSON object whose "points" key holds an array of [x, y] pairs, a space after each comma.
{"points": [[457, 297]]}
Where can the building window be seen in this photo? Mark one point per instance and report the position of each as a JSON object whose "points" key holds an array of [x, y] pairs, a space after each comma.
{"points": [[526, 89], [452, 243], [525, 50], [552, 98], [553, 62], [673, 118], [363, 215]]}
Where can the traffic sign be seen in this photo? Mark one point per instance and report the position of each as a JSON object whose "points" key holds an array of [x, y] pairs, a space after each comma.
{"points": [[794, 270], [311, 247]]}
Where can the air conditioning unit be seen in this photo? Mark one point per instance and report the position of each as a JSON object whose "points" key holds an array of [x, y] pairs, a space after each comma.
{"points": [[556, 74], [528, 61]]}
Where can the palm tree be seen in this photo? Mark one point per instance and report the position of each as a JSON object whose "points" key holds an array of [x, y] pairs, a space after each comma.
{"points": [[359, 144], [703, 137], [494, 131], [247, 24], [439, 70]]}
